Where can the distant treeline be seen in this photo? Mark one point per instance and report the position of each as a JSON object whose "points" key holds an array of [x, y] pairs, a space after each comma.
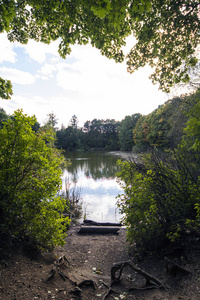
{"points": [[161, 129]]}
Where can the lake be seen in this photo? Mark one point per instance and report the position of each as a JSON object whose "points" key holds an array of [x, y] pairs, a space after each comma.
{"points": [[93, 175]]}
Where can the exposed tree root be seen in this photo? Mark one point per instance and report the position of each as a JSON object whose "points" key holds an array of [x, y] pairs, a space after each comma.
{"points": [[86, 283], [151, 282], [77, 291], [173, 268], [110, 291], [56, 268]]}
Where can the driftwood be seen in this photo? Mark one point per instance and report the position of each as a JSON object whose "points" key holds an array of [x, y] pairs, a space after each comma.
{"points": [[151, 282], [94, 223], [173, 268], [99, 229]]}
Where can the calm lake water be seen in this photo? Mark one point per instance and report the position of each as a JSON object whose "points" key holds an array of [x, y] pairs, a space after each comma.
{"points": [[93, 175]]}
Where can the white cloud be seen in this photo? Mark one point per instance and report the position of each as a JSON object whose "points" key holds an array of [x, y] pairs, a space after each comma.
{"points": [[46, 71], [105, 89], [7, 53], [86, 84], [17, 76], [31, 106], [38, 51]]}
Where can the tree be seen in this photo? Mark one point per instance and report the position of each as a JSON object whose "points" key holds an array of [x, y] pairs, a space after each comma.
{"points": [[167, 31], [192, 130], [101, 134], [110, 134], [159, 128], [5, 89], [161, 192], [163, 128], [67, 139], [74, 122], [160, 196], [3, 117], [167, 38], [30, 177], [52, 121], [94, 135], [140, 133], [126, 132]]}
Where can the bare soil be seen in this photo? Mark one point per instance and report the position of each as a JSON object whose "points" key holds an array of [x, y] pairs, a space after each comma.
{"points": [[24, 274]]}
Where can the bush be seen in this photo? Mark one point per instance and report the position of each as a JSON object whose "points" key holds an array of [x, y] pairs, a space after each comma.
{"points": [[30, 177], [161, 193], [159, 197]]}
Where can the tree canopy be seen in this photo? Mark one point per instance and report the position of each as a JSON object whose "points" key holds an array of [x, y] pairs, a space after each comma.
{"points": [[166, 31]]}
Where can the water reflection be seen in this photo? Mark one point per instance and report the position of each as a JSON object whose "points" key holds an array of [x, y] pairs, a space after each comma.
{"points": [[95, 175]]}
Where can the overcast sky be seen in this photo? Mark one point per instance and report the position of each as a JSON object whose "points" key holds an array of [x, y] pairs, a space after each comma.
{"points": [[85, 84]]}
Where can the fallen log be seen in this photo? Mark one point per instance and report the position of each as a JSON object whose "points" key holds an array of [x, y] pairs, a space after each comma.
{"points": [[94, 223], [99, 229]]}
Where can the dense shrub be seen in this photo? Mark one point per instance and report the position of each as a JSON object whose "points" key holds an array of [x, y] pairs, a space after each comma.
{"points": [[30, 177], [161, 193], [159, 197]]}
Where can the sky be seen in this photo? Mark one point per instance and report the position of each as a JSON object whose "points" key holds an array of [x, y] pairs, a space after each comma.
{"points": [[85, 84]]}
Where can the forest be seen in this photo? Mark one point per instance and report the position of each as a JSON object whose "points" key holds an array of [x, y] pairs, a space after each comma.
{"points": [[161, 129]]}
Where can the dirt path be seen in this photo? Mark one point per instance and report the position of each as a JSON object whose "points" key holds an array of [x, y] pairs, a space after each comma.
{"points": [[23, 276], [92, 256]]}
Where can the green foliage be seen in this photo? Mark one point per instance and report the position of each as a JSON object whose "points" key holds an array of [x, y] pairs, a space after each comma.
{"points": [[141, 130], [7, 12], [5, 89], [30, 177], [194, 225], [3, 117], [95, 134], [163, 128], [126, 132], [67, 139], [192, 130], [161, 192], [102, 134], [167, 37]]}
